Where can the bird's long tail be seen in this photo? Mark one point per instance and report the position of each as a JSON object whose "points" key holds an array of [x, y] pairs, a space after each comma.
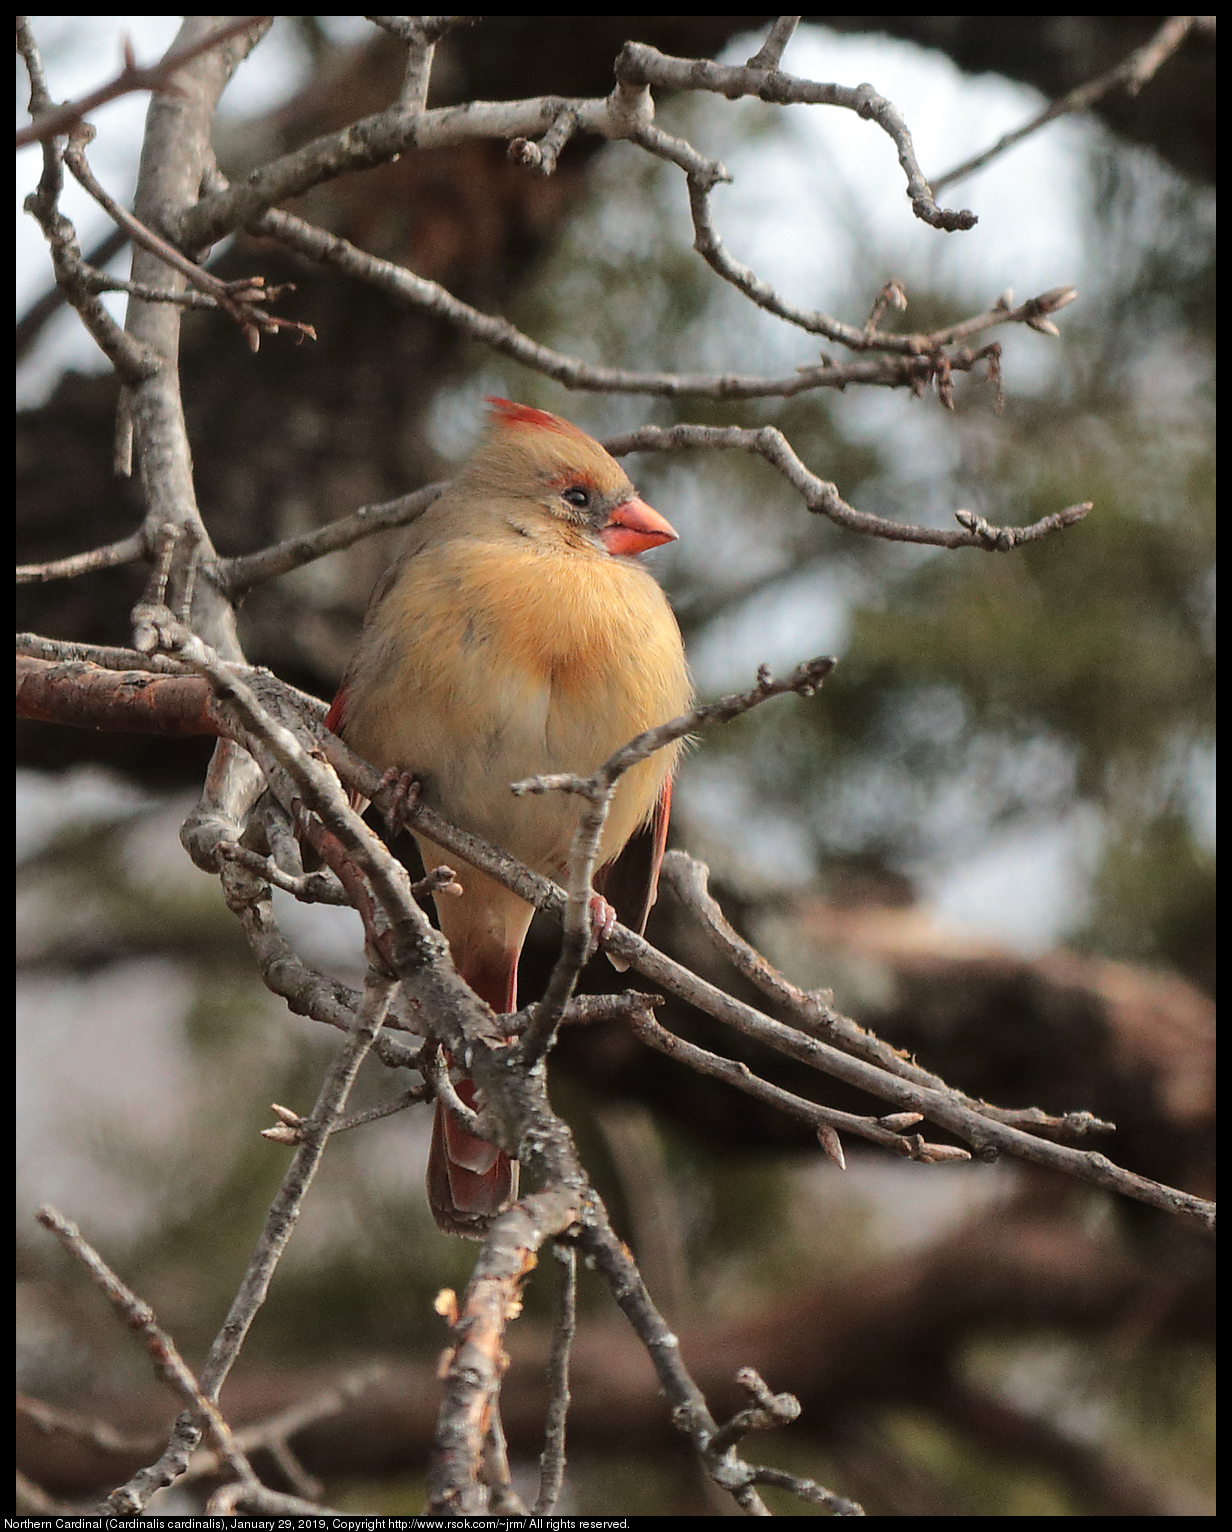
{"points": [[469, 1180]]}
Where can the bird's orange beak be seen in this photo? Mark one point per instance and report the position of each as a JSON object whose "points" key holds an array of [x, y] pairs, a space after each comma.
{"points": [[634, 526]]}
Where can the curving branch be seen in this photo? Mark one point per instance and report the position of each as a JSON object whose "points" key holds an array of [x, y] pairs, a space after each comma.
{"points": [[330, 250], [823, 498], [640, 64], [132, 361]]}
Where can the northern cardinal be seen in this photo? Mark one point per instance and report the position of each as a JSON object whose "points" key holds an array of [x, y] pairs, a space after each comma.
{"points": [[517, 635]]}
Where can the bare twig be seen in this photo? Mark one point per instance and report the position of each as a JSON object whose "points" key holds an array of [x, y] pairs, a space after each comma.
{"points": [[243, 300], [765, 1411], [806, 1489], [238, 575], [277, 1430], [306, 992], [1132, 72], [437, 1074], [50, 122], [827, 1120], [132, 361], [291, 1126], [640, 64], [330, 250], [284, 1211], [280, 1222], [597, 791], [770, 54], [689, 1411], [823, 498], [382, 137], [169, 1365], [104, 656], [542, 156], [309, 888], [126, 551], [49, 303], [503, 1499], [52, 1420], [552, 1458]]}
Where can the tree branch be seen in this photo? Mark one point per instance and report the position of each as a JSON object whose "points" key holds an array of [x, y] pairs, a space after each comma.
{"points": [[1132, 72], [989, 1130], [51, 122]]}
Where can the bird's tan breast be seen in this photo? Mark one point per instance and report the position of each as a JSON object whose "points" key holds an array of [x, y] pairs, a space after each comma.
{"points": [[487, 662]]}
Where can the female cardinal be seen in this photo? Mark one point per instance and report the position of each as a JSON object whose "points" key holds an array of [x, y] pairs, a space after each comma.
{"points": [[517, 635]]}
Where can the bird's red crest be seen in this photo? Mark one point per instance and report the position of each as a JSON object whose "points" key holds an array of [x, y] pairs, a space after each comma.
{"points": [[505, 412]]}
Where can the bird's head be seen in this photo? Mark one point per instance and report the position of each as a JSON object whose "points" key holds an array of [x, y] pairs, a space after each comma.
{"points": [[532, 459]]}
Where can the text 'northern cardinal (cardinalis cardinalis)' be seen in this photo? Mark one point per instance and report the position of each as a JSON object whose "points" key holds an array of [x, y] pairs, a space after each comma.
{"points": [[517, 635]]}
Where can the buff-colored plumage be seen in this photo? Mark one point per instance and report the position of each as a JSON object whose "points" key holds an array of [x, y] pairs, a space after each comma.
{"points": [[517, 636]]}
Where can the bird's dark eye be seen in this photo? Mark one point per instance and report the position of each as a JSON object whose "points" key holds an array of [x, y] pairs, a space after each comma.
{"points": [[576, 495]]}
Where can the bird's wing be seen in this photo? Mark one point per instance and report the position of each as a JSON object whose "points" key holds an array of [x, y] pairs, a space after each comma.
{"points": [[630, 882]]}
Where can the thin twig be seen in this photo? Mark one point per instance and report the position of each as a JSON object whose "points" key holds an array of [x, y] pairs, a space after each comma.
{"points": [[596, 790], [332, 251], [306, 992], [552, 1458], [291, 1125], [542, 156], [309, 888], [1132, 72], [280, 1221], [52, 1420], [813, 1011], [770, 54], [126, 551], [105, 656], [765, 1411], [169, 1365], [823, 1118], [132, 361], [443, 1088], [54, 121], [689, 1411], [49, 303], [284, 1211], [243, 300], [639, 63], [823, 498], [868, 337], [277, 1429], [504, 1500], [238, 575]]}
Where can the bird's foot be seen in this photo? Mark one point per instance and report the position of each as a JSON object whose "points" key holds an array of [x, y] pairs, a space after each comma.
{"points": [[602, 923], [398, 791]]}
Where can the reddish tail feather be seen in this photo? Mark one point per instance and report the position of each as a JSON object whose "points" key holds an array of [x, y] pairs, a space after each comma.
{"points": [[469, 1180]]}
